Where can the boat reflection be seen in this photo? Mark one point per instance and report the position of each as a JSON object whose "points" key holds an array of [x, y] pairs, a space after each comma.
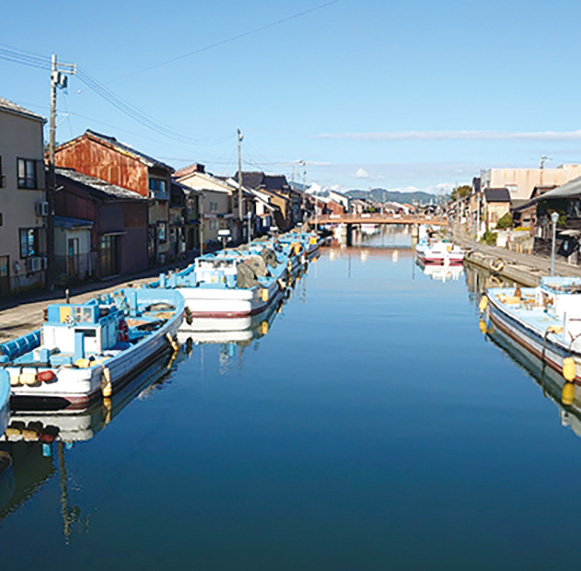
{"points": [[566, 396], [442, 273], [34, 437], [223, 332]]}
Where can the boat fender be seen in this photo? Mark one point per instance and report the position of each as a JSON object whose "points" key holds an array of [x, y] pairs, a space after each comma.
{"points": [[172, 341], [106, 386], [264, 327], [29, 378], [290, 266], [46, 376], [83, 363], [496, 265], [568, 394], [569, 372], [483, 304], [281, 283], [15, 378], [188, 315], [482, 326], [264, 294]]}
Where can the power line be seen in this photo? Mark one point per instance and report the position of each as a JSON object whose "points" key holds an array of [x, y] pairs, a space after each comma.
{"points": [[228, 40]]}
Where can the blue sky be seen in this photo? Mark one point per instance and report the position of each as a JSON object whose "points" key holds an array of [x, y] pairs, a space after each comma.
{"points": [[419, 94]]}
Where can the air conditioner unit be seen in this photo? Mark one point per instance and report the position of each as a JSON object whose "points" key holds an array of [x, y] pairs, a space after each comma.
{"points": [[41, 208]]}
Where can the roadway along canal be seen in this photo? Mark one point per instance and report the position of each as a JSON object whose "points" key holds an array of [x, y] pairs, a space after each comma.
{"points": [[372, 426]]}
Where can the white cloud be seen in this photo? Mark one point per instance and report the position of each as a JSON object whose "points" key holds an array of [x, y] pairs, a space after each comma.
{"points": [[361, 173], [455, 135]]}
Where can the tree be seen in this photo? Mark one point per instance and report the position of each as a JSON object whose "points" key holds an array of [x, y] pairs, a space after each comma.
{"points": [[461, 192]]}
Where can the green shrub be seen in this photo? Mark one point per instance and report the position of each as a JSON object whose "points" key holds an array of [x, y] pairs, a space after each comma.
{"points": [[489, 238], [504, 222]]}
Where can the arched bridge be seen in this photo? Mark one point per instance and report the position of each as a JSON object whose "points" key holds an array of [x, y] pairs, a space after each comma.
{"points": [[378, 218]]}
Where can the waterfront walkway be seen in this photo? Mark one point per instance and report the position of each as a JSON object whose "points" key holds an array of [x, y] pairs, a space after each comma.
{"points": [[23, 313], [526, 269]]}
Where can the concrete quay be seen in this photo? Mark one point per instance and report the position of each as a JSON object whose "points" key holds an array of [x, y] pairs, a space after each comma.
{"points": [[525, 269]]}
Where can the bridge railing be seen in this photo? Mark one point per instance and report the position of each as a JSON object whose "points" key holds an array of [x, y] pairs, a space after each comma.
{"points": [[378, 218]]}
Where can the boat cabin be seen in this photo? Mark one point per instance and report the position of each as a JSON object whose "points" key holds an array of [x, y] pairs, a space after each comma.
{"points": [[81, 329]]}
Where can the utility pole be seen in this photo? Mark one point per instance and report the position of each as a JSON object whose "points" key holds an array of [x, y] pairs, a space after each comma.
{"points": [[240, 138], [304, 183], [58, 78]]}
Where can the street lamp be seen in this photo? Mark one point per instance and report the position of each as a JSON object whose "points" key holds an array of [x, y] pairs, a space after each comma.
{"points": [[554, 219]]}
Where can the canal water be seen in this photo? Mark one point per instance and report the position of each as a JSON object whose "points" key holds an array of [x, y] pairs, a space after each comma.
{"points": [[366, 424]]}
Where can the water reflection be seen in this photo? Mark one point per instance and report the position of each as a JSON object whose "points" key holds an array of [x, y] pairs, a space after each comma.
{"points": [[442, 273], [552, 384], [33, 448]]}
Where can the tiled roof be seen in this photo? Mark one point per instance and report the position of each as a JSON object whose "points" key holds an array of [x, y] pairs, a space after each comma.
{"points": [[145, 159], [276, 181], [11, 107], [497, 195], [251, 179], [100, 188], [190, 169]]}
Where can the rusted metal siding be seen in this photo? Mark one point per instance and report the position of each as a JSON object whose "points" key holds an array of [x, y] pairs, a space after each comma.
{"points": [[91, 157]]}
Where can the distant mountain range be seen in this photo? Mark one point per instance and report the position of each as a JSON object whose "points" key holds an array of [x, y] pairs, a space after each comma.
{"points": [[382, 195]]}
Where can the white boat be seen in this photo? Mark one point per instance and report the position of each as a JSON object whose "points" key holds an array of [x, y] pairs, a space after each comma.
{"points": [[550, 381], [545, 320], [230, 284], [440, 252], [72, 424], [85, 350]]}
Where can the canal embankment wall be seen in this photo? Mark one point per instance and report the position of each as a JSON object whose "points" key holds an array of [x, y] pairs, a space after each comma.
{"points": [[523, 268]]}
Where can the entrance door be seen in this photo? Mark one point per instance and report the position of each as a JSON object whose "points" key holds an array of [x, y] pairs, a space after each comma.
{"points": [[4, 275], [109, 256]]}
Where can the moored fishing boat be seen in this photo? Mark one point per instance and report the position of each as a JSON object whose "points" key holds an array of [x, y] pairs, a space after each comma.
{"points": [[92, 348], [73, 424], [310, 241], [551, 382], [230, 284], [441, 252], [545, 320]]}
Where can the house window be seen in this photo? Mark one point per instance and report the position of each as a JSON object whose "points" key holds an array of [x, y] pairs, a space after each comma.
{"points": [[27, 173], [512, 188], [29, 242], [574, 209], [162, 231], [2, 177], [158, 188]]}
